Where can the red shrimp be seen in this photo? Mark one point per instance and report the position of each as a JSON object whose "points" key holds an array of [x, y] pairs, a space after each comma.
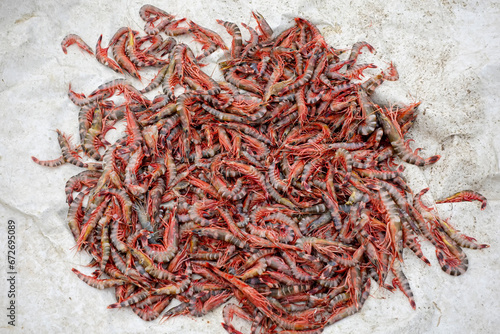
{"points": [[75, 39]]}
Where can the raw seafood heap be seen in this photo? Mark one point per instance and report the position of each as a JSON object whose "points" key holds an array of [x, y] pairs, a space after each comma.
{"points": [[279, 187]]}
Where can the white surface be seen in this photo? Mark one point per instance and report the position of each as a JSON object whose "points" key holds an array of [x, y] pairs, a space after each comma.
{"points": [[448, 57]]}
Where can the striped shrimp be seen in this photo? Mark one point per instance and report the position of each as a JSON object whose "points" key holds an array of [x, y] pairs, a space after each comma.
{"points": [[451, 257], [256, 270], [461, 239], [124, 200], [105, 242], [402, 282], [123, 86], [118, 50], [174, 289], [81, 100], [92, 221], [356, 51], [102, 57], [152, 269], [151, 313], [251, 172], [234, 31], [75, 215], [75, 39], [66, 149], [212, 36], [150, 13], [133, 299], [398, 144], [264, 28], [297, 271], [304, 78], [170, 238], [208, 301], [465, 196], [50, 163], [91, 140], [138, 57], [252, 43], [394, 225], [98, 283], [220, 234], [242, 83], [369, 108], [166, 70]]}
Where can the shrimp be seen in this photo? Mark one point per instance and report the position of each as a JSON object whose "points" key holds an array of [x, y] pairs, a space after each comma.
{"points": [[98, 283], [220, 234], [118, 50], [461, 239], [263, 26], [451, 257], [151, 313], [212, 36], [75, 39], [465, 196], [397, 143], [102, 57], [356, 51], [237, 43], [369, 108], [246, 84]]}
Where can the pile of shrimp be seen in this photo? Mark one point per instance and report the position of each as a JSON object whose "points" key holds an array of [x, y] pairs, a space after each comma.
{"points": [[281, 187]]}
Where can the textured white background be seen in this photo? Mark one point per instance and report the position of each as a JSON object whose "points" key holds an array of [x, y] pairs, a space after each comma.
{"points": [[448, 57]]}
